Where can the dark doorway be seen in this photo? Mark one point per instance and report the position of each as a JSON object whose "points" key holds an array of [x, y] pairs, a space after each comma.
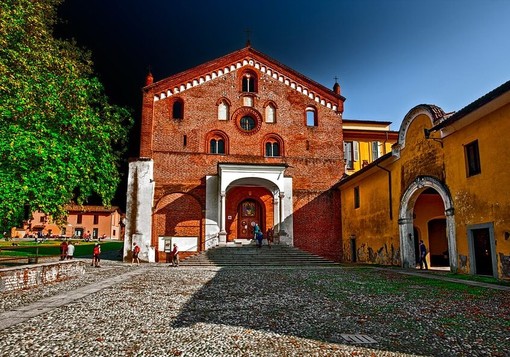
{"points": [[353, 250], [438, 243], [482, 251]]}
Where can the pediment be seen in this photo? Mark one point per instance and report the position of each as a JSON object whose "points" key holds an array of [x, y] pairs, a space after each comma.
{"points": [[246, 58]]}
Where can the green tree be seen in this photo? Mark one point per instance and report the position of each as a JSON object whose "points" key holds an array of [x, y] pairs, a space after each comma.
{"points": [[60, 139]]}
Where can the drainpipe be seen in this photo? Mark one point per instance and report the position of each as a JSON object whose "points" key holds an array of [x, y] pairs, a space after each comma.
{"points": [[389, 189]]}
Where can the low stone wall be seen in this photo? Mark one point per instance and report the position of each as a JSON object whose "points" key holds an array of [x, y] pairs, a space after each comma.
{"points": [[28, 276]]}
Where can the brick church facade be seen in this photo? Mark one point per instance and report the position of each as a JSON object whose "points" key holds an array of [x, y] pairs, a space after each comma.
{"points": [[239, 140]]}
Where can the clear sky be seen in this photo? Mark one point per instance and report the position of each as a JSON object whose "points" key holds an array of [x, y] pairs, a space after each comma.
{"points": [[388, 55]]}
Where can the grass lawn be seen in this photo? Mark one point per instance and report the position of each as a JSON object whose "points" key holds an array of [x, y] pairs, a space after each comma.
{"points": [[52, 248]]}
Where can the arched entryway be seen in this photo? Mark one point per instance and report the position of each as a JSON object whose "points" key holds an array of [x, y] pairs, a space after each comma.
{"points": [[247, 205], [177, 218], [438, 228]]}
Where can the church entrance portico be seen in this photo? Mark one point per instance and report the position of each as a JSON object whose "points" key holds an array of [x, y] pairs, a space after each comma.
{"points": [[249, 194]]}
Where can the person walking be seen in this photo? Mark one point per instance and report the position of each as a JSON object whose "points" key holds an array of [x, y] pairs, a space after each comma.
{"points": [[175, 256], [70, 250], [63, 250], [423, 254], [96, 253], [136, 251]]}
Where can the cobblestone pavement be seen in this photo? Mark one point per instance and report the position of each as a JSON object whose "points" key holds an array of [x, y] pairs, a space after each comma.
{"points": [[155, 310]]}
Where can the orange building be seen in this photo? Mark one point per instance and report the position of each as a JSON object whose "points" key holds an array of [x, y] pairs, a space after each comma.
{"points": [[98, 221]]}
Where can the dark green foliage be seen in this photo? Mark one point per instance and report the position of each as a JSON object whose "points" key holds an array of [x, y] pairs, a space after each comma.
{"points": [[60, 139]]}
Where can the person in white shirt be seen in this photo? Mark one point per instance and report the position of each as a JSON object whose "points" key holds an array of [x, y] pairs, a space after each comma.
{"points": [[70, 250]]}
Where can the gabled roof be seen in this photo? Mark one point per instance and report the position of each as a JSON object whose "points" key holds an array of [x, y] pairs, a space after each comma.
{"points": [[480, 102], [91, 208], [246, 57]]}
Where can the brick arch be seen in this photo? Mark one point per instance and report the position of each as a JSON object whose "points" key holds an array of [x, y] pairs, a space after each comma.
{"points": [[217, 134], [272, 137], [177, 215], [238, 194], [253, 75]]}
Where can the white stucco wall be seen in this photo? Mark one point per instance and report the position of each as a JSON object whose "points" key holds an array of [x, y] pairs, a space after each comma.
{"points": [[139, 201]]}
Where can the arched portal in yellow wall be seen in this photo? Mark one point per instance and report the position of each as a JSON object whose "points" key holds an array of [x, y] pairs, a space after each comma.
{"points": [[406, 219]]}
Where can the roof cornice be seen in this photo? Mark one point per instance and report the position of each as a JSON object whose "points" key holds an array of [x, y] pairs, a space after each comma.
{"points": [[245, 57]]}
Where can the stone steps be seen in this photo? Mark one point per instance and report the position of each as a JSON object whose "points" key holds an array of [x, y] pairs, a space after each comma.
{"points": [[250, 255]]}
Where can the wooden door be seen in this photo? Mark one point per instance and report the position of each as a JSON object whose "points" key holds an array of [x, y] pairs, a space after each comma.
{"points": [[248, 214]]}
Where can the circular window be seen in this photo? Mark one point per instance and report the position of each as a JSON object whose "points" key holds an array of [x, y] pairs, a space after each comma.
{"points": [[248, 120], [247, 123]]}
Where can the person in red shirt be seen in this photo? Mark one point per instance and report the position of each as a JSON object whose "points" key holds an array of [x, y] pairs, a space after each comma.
{"points": [[175, 256], [96, 255], [63, 250], [136, 251]]}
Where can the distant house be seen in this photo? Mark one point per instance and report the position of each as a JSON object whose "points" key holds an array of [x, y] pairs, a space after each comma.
{"points": [[98, 221]]}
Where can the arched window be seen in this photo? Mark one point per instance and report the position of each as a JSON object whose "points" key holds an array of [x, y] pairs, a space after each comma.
{"points": [[311, 116], [249, 82], [270, 113], [273, 146], [217, 146], [223, 109], [272, 149], [178, 109], [217, 143]]}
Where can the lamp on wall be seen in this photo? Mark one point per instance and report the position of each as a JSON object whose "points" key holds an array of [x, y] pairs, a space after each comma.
{"points": [[427, 133]]}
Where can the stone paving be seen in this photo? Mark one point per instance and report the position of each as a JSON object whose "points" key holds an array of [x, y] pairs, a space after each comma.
{"points": [[156, 310]]}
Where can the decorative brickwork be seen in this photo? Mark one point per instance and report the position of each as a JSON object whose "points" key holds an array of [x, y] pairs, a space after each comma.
{"points": [[186, 151]]}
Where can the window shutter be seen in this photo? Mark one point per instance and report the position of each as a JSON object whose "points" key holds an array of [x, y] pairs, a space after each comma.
{"points": [[356, 150], [347, 151]]}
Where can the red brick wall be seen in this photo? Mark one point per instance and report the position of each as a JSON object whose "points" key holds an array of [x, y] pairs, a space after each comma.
{"points": [[314, 155], [177, 215], [317, 223]]}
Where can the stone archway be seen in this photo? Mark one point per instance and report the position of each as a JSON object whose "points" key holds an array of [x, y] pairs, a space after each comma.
{"points": [[405, 221]]}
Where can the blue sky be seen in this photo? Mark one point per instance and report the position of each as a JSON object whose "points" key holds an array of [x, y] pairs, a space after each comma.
{"points": [[388, 55]]}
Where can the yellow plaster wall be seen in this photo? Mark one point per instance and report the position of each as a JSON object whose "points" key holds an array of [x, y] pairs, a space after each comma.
{"points": [[377, 239], [485, 197]]}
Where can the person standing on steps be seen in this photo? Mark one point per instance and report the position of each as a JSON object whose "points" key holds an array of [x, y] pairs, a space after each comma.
{"points": [[269, 236], [423, 255], [258, 235]]}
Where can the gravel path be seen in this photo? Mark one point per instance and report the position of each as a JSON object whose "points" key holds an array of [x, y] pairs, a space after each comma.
{"points": [[209, 311]]}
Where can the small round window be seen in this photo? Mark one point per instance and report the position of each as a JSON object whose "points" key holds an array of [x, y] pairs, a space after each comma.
{"points": [[247, 123], [248, 120]]}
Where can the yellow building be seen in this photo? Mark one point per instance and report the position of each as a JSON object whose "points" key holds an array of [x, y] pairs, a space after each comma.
{"points": [[445, 183], [365, 141]]}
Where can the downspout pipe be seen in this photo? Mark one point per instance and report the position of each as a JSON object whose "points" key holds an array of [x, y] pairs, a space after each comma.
{"points": [[389, 189]]}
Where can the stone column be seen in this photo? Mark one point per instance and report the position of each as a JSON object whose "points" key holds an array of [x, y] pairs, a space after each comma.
{"points": [[223, 232], [452, 239], [408, 260], [280, 215]]}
